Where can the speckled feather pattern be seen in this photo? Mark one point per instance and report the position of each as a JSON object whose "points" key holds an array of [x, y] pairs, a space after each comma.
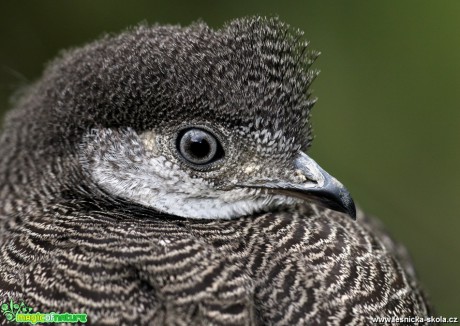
{"points": [[305, 266], [66, 244]]}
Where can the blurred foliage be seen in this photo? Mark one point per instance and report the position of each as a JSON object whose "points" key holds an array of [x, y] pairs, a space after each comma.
{"points": [[387, 122]]}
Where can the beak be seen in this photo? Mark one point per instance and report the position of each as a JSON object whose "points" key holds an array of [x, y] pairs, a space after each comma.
{"points": [[315, 185], [323, 187]]}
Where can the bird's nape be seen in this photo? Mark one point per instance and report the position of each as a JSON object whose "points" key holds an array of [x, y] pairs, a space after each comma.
{"points": [[161, 176]]}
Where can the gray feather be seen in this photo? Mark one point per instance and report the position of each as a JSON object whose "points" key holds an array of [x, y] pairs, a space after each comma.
{"points": [[89, 179]]}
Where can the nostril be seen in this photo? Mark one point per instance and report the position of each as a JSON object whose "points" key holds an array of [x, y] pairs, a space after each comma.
{"points": [[300, 177]]}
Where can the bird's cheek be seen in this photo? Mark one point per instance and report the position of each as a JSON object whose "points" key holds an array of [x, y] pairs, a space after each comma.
{"points": [[151, 142]]}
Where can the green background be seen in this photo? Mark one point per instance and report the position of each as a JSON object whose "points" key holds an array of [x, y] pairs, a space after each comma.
{"points": [[387, 122]]}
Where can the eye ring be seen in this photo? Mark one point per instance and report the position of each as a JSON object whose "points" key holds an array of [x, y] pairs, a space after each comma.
{"points": [[199, 147]]}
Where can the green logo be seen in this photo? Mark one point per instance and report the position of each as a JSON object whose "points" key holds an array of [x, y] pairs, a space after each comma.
{"points": [[21, 313]]}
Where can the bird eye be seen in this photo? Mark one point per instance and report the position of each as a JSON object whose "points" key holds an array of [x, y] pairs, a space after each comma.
{"points": [[199, 147]]}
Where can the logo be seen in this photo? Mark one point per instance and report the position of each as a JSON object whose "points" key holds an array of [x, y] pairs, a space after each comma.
{"points": [[21, 313]]}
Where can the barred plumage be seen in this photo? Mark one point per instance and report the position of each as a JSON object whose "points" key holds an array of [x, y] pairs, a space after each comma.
{"points": [[99, 214]]}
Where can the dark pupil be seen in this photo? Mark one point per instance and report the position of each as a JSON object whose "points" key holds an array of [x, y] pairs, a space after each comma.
{"points": [[199, 147]]}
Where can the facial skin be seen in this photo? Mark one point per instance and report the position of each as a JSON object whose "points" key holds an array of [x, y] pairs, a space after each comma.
{"points": [[115, 111], [150, 169]]}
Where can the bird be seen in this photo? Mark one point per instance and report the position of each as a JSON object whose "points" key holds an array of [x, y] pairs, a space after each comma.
{"points": [[161, 176]]}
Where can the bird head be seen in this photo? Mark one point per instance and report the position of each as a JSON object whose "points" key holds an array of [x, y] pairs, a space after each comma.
{"points": [[193, 122]]}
